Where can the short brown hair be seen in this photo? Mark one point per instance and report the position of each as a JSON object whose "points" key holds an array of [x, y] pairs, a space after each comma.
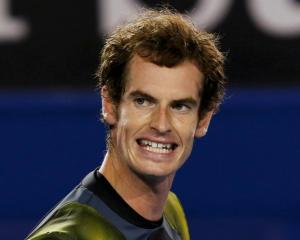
{"points": [[166, 38]]}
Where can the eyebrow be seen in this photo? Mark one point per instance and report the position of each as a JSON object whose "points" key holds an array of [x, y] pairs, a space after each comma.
{"points": [[189, 101], [138, 93]]}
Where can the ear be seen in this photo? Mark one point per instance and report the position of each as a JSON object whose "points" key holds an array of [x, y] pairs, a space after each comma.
{"points": [[108, 108], [203, 124]]}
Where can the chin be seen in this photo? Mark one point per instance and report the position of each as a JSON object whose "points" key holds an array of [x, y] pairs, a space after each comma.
{"points": [[156, 172]]}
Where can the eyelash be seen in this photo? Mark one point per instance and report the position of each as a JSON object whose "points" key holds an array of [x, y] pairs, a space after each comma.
{"points": [[144, 102], [141, 101], [182, 105]]}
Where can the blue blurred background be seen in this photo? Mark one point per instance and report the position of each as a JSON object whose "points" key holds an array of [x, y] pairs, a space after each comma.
{"points": [[242, 180]]}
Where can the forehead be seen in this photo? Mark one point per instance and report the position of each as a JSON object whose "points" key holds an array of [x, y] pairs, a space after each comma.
{"points": [[180, 81]]}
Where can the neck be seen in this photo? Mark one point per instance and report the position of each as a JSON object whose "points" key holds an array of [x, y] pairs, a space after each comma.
{"points": [[145, 194]]}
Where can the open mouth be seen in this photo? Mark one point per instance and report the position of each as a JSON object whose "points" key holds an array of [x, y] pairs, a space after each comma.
{"points": [[156, 146]]}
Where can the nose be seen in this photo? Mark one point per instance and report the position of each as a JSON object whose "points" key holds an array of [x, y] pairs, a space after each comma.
{"points": [[160, 120]]}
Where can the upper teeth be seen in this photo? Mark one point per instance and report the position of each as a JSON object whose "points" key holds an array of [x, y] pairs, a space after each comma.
{"points": [[156, 145]]}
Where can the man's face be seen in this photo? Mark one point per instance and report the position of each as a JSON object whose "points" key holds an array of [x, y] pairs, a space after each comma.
{"points": [[157, 118]]}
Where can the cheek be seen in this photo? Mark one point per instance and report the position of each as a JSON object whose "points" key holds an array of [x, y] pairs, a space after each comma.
{"points": [[125, 118], [129, 123], [133, 119], [186, 128], [121, 129]]}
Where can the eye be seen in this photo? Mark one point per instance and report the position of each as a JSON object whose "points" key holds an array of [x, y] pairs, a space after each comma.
{"points": [[181, 107], [140, 101]]}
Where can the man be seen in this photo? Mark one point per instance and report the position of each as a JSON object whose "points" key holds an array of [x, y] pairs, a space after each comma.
{"points": [[161, 80]]}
